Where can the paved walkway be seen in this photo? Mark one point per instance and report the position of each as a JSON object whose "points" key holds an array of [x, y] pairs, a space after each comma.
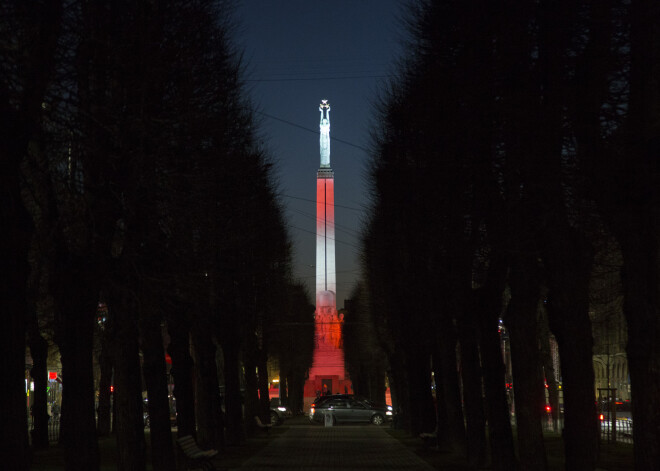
{"points": [[342, 447]]}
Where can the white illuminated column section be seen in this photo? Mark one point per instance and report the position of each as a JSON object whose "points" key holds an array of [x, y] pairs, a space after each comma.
{"points": [[326, 278]]}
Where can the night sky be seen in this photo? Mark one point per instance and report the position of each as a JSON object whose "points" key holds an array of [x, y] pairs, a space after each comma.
{"points": [[298, 52]]}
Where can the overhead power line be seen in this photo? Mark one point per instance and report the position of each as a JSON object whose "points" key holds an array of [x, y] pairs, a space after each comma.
{"points": [[299, 79], [357, 248], [310, 130], [313, 201], [338, 227]]}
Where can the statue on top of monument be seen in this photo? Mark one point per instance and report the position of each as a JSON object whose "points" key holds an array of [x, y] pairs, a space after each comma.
{"points": [[324, 126]]}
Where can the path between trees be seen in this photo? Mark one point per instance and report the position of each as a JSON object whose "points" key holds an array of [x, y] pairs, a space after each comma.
{"points": [[335, 448]]}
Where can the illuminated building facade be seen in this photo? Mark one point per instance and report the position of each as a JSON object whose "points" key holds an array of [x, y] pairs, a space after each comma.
{"points": [[327, 374]]}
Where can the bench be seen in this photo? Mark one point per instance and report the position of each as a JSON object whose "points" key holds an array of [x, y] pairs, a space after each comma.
{"points": [[196, 458], [261, 425], [429, 439]]}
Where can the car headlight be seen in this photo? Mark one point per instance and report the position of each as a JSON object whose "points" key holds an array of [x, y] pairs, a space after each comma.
{"points": [[389, 412], [311, 411], [281, 409]]}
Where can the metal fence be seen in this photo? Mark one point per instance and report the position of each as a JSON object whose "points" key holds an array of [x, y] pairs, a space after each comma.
{"points": [[53, 429], [621, 431]]}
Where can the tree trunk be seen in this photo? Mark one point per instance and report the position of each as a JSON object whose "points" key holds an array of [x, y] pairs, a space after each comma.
{"points": [[40, 255], [182, 371], [76, 298], [440, 402], [210, 433], [262, 382], [103, 425], [233, 400], [642, 310], [284, 389], [299, 379], [637, 230], [449, 382], [572, 329], [35, 34], [472, 391], [520, 321], [39, 373], [251, 394], [131, 448], [377, 386], [13, 305], [549, 368], [14, 248], [400, 393], [568, 262], [497, 408], [489, 308], [566, 253], [296, 383], [520, 97], [154, 370], [421, 410]]}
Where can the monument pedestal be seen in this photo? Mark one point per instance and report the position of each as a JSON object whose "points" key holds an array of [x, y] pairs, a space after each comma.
{"points": [[327, 375]]}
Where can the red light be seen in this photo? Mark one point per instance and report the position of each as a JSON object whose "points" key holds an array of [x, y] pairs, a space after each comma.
{"points": [[52, 375], [112, 389], [548, 408], [601, 417]]}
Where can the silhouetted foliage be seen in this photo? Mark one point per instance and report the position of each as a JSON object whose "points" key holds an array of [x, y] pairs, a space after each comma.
{"points": [[136, 148], [510, 131]]}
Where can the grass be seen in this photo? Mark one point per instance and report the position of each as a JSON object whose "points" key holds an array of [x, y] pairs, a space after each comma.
{"points": [[231, 457], [53, 459], [439, 459]]}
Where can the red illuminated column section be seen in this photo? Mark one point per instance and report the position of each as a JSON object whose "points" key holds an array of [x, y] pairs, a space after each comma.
{"points": [[326, 279]]}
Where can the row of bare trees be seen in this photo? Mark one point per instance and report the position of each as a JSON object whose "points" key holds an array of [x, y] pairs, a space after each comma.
{"points": [[519, 142], [131, 178]]}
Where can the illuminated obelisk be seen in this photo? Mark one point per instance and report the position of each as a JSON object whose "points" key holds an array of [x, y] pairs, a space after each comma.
{"points": [[327, 374], [326, 275]]}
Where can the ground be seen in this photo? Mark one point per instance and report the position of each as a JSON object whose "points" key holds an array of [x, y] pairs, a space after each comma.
{"points": [[612, 458]]}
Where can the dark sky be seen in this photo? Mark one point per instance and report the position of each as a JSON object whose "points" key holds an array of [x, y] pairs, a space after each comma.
{"points": [[299, 52]]}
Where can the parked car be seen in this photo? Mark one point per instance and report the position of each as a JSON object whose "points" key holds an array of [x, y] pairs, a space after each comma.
{"points": [[278, 411], [321, 399], [349, 408]]}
